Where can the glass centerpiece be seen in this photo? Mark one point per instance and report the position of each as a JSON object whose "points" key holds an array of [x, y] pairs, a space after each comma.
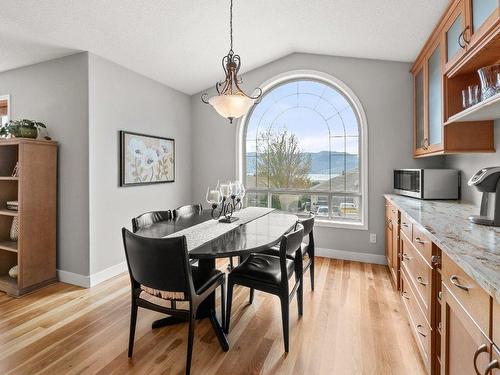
{"points": [[225, 199]]}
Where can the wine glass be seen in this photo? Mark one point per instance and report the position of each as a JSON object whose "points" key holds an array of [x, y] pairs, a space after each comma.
{"points": [[213, 197], [224, 190]]}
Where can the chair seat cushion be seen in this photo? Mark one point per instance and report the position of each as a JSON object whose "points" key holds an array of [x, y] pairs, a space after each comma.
{"points": [[262, 267], [201, 283]]}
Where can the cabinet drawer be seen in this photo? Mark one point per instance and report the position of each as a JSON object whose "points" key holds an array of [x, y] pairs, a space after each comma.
{"points": [[418, 324], [419, 274], [406, 226], [468, 293], [422, 243]]}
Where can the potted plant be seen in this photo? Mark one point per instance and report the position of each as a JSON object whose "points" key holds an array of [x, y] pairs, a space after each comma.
{"points": [[21, 129]]}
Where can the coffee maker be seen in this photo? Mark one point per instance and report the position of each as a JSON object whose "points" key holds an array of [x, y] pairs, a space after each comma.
{"points": [[487, 181]]}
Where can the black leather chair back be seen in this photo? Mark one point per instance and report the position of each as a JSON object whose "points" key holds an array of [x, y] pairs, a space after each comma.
{"points": [[149, 218], [307, 223], [159, 263], [290, 244], [188, 210]]}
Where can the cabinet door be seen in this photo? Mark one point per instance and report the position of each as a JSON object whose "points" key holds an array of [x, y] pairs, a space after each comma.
{"points": [[419, 127], [464, 348], [388, 241], [483, 15], [435, 100], [395, 254], [454, 29]]}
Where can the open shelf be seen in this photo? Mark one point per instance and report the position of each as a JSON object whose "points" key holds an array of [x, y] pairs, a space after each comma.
{"points": [[6, 212], [9, 246], [8, 284], [488, 109], [8, 178]]}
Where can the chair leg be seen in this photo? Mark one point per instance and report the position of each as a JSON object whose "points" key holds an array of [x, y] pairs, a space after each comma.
{"points": [[192, 322], [252, 292], [231, 264], [284, 317], [311, 273], [223, 302], [300, 294], [229, 303], [133, 320]]}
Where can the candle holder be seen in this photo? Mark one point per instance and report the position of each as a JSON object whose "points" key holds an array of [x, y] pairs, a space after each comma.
{"points": [[225, 200]]}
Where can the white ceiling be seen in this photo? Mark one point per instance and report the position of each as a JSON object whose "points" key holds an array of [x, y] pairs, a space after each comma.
{"points": [[181, 42]]}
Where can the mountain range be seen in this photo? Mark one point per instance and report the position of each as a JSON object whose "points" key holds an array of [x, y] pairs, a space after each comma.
{"points": [[320, 162]]}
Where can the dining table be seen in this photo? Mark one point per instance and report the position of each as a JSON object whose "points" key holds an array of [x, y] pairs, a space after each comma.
{"points": [[256, 229]]}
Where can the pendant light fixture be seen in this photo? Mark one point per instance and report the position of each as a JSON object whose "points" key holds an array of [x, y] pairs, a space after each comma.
{"points": [[231, 102]]}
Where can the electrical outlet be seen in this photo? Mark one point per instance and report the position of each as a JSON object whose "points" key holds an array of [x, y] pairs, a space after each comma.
{"points": [[373, 237]]}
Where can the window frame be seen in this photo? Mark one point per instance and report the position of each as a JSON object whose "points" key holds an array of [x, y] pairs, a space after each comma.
{"points": [[357, 107]]}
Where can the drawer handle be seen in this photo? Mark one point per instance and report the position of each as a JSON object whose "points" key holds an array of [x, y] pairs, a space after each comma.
{"points": [[421, 281], [405, 295], [418, 329], [493, 365], [405, 256], [454, 281], [404, 224], [436, 260], [483, 348], [419, 240]]}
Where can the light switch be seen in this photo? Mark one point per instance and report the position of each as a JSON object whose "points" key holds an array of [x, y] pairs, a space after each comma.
{"points": [[373, 237]]}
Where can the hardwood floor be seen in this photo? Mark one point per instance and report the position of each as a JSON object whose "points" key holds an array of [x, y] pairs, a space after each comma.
{"points": [[353, 323]]}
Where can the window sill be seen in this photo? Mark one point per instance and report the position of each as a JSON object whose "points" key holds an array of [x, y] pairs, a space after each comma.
{"points": [[339, 224]]}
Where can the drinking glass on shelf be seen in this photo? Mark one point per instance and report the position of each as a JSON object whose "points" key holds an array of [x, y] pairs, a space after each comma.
{"points": [[474, 94], [465, 99]]}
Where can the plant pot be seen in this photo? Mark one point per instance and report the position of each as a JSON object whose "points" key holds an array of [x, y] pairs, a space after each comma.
{"points": [[26, 132]]}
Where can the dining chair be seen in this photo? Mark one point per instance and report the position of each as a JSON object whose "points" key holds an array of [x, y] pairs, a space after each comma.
{"points": [[306, 259], [160, 267], [271, 274], [149, 218], [188, 210]]}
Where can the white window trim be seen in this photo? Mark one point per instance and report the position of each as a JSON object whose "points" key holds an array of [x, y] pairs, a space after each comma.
{"points": [[360, 113]]}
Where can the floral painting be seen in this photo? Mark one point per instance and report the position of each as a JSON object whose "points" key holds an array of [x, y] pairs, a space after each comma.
{"points": [[146, 159]]}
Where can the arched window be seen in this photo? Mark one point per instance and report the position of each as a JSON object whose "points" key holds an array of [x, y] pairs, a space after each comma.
{"points": [[303, 148]]}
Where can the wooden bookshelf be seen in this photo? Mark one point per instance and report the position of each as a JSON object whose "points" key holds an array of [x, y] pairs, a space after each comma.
{"points": [[36, 191]]}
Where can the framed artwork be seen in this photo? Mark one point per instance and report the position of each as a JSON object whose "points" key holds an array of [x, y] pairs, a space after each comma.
{"points": [[146, 159]]}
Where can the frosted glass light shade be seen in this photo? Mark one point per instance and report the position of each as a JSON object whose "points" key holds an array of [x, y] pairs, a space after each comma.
{"points": [[231, 106]]}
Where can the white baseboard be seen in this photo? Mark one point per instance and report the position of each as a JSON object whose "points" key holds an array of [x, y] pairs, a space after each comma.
{"points": [[91, 280], [107, 273], [73, 278], [351, 255]]}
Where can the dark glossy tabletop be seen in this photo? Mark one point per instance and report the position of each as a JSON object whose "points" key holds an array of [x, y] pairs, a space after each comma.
{"points": [[254, 236]]}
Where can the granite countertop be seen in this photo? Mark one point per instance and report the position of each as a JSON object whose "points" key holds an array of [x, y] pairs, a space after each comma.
{"points": [[475, 248]]}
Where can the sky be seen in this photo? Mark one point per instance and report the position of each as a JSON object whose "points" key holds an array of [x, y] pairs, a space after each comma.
{"points": [[316, 113]]}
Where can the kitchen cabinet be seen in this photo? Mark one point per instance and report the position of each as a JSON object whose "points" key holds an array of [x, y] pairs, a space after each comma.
{"points": [[454, 320], [465, 350], [454, 29], [483, 16], [466, 38]]}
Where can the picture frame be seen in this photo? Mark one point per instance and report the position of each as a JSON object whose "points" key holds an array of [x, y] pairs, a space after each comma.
{"points": [[146, 159]]}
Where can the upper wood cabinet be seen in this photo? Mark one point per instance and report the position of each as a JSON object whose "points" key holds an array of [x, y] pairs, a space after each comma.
{"points": [[466, 38], [454, 30]]}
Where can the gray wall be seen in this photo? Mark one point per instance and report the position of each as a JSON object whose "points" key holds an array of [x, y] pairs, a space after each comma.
{"points": [[123, 100], [385, 91], [471, 163], [56, 93]]}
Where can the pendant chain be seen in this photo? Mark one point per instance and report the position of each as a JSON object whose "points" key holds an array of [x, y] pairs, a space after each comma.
{"points": [[231, 25]]}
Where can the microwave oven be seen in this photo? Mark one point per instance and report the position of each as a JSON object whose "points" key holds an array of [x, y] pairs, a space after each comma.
{"points": [[427, 183]]}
